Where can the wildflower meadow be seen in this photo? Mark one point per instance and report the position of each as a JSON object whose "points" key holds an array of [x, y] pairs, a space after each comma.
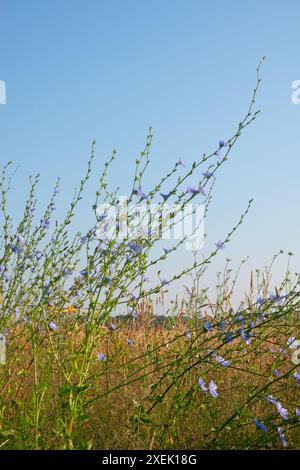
{"points": [[86, 362]]}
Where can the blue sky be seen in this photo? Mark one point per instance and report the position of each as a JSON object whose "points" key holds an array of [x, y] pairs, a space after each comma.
{"points": [[81, 70]]}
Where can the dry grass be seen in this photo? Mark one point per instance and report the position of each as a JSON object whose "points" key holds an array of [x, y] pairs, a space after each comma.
{"points": [[126, 404]]}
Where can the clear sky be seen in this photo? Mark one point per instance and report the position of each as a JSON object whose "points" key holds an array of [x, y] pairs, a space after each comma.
{"points": [[81, 70]]}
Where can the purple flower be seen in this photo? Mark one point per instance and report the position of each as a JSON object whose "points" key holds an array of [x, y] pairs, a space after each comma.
{"points": [[282, 411], [202, 385], [260, 300], [260, 426], [17, 313], [45, 223], [15, 248], [246, 338], [38, 254], [291, 342], [84, 272], [208, 326], [220, 245], [20, 238], [297, 413], [67, 271], [222, 325], [207, 174], [296, 376], [130, 342], [277, 298], [188, 334], [135, 248], [281, 437], [164, 196], [113, 327], [239, 319], [193, 190], [213, 389], [138, 192], [281, 299], [221, 361], [272, 400], [222, 144], [101, 357], [3, 272], [53, 326], [228, 338], [277, 373], [283, 351]]}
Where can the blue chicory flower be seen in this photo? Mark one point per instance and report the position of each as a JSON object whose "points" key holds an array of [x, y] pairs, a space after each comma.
{"points": [[228, 338], [222, 144], [296, 376], [291, 342], [165, 196], [207, 174], [53, 326], [101, 357], [271, 399], [221, 360], [193, 190], [281, 437], [20, 238], [202, 385], [135, 247], [245, 337], [188, 334], [208, 326], [260, 426], [282, 411], [260, 300], [213, 389], [45, 223], [220, 245], [138, 192]]}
